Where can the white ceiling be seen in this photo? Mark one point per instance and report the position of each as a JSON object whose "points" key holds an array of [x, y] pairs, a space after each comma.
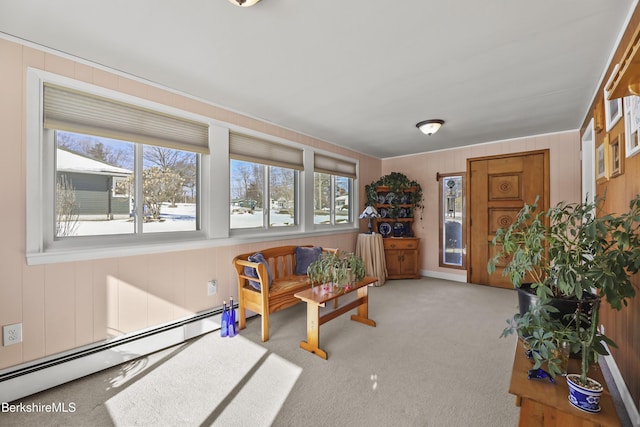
{"points": [[358, 73]]}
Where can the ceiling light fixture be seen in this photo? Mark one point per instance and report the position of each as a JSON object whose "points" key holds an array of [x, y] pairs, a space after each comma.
{"points": [[429, 127], [244, 3]]}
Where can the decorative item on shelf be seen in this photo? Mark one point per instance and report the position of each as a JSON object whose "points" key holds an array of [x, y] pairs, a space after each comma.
{"points": [[580, 254], [398, 229], [369, 212], [336, 271], [384, 228]]}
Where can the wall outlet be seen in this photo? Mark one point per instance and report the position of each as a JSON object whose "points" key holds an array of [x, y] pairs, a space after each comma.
{"points": [[212, 287], [11, 334]]}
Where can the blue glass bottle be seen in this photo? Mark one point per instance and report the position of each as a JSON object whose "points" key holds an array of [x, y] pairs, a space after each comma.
{"points": [[232, 319], [224, 323]]}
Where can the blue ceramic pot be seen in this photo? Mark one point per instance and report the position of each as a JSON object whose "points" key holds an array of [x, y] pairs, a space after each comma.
{"points": [[585, 399]]}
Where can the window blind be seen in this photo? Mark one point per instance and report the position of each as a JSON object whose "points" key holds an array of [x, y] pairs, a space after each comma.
{"points": [[74, 111], [256, 150], [334, 166]]}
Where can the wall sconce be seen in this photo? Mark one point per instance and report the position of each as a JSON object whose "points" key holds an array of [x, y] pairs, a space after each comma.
{"points": [[429, 127], [244, 3], [369, 212]]}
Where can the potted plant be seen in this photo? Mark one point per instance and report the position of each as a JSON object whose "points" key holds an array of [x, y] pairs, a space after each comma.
{"points": [[576, 254], [337, 269]]}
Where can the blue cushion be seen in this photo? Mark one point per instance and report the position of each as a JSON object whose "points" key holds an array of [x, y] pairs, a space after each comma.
{"points": [[251, 272], [304, 257]]}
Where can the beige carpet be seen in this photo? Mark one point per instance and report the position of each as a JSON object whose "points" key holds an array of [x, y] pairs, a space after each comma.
{"points": [[434, 359]]}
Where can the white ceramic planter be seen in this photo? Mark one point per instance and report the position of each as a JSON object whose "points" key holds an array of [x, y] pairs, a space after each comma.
{"points": [[583, 398]]}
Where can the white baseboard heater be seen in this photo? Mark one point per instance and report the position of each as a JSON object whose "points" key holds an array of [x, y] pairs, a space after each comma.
{"points": [[29, 378]]}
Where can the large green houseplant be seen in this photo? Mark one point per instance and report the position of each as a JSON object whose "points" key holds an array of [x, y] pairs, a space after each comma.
{"points": [[569, 252]]}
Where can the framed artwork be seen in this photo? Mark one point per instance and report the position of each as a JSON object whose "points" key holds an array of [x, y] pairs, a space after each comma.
{"points": [[632, 125], [612, 112], [602, 164], [616, 156]]}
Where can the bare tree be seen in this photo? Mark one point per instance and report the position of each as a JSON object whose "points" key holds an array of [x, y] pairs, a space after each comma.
{"points": [[66, 208], [182, 163]]}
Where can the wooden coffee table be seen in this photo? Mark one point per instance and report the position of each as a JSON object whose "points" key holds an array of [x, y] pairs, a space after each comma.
{"points": [[318, 296]]}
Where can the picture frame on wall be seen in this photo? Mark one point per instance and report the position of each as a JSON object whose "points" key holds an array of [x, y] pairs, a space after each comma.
{"points": [[602, 165], [612, 112], [616, 156], [632, 125]]}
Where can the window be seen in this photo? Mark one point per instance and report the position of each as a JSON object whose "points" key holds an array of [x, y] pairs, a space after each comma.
{"points": [[114, 169], [96, 187], [264, 183], [109, 174], [332, 184], [452, 221]]}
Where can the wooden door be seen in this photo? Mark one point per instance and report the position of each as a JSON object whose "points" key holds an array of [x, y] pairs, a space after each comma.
{"points": [[498, 188]]}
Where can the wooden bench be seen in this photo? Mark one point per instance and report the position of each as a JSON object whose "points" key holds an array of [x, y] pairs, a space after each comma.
{"points": [[285, 283]]}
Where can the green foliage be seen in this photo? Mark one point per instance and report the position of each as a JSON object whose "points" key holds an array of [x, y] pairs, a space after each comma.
{"points": [[397, 183], [569, 251], [340, 268]]}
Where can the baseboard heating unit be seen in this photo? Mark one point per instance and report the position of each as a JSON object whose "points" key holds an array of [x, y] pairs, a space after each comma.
{"points": [[29, 378]]}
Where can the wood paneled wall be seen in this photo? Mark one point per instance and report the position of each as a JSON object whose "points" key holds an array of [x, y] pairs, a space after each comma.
{"points": [[622, 326]]}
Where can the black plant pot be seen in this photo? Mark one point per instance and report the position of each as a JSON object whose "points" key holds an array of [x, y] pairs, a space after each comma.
{"points": [[527, 297]]}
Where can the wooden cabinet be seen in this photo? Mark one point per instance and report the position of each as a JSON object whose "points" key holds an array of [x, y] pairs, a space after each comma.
{"points": [[401, 249], [402, 256]]}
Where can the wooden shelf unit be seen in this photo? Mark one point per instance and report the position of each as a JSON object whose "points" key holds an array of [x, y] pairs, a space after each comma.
{"points": [[401, 249]]}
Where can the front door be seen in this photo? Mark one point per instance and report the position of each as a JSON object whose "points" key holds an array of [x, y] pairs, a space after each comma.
{"points": [[498, 188]]}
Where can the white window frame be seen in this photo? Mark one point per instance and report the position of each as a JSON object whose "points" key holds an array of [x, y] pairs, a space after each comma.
{"points": [[266, 209], [40, 245], [354, 193], [333, 208], [214, 187]]}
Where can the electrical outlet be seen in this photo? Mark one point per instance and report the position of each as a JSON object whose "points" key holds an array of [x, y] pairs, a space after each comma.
{"points": [[212, 287], [12, 334]]}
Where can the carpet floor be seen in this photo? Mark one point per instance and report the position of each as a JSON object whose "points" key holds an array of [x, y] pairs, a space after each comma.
{"points": [[434, 359]]}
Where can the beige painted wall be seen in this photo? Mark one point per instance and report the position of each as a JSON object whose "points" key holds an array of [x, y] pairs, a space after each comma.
{"points": [[68, 305], [564, 162]]}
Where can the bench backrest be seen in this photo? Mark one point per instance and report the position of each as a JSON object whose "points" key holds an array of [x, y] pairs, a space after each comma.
{"points": [[281, 259]]}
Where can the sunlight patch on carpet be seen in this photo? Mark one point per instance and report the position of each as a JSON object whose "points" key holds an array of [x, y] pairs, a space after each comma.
{"points": [[210, 380]]}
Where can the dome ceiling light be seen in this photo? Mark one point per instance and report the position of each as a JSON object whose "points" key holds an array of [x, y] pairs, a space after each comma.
{"points": [[429, 127], [244, 3]]}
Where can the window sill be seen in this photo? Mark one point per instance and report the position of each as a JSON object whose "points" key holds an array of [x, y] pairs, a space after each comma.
{"points": [[85, 254]]}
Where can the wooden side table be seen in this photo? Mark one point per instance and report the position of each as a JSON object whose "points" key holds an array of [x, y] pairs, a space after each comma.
{"points": [[545, 404], [371, 249]]}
